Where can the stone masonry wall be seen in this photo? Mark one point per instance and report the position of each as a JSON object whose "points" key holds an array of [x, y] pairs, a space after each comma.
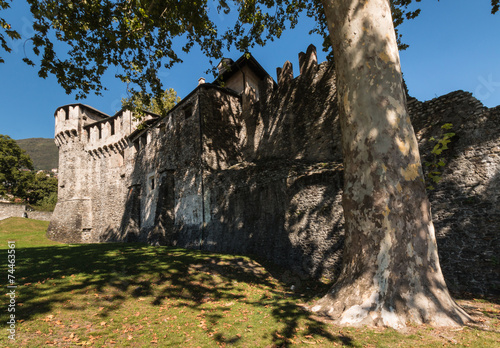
{"points": [[8, 210], [282, 211], [40, 215], [298, 120], [465, 203]]}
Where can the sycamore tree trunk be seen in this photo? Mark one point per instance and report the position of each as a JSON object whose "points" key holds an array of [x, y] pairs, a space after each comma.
{"points": [[391, 273]]}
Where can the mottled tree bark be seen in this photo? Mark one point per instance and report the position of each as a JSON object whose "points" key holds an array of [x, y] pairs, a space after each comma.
{"points": [[391, 273]]}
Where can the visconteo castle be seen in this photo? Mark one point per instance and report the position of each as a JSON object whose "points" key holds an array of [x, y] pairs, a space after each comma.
{"points": [[248, 165]]}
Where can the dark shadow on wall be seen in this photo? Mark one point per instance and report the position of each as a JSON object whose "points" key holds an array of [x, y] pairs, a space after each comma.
{"points": [[298, 121], [467, 230], [286, 213]]}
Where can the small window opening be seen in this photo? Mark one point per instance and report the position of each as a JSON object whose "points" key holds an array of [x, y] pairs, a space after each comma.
{"points": [[152, 182], [188, 111], [66, 114], [112, 127], [163, 129], [100, 130]]}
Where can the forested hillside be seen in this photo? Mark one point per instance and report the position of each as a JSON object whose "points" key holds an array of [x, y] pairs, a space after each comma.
{"points": [[43, 152]]}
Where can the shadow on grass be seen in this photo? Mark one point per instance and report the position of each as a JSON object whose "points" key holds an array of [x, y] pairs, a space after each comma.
{"points": [[189, 279]]}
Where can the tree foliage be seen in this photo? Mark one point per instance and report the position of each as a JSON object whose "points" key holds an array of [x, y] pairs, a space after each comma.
{"points": [[141, 37], [18, 179], [436, 166], [15, 168], [140, 102], [7, 29], [42, 191]]}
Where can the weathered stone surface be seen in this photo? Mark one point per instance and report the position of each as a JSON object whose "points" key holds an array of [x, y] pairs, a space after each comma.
{"points": [[257, 171], [8, 210], [465, 205]]}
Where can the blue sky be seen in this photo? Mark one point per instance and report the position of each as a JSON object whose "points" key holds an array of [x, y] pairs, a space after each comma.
{"points": [[454, 44]]}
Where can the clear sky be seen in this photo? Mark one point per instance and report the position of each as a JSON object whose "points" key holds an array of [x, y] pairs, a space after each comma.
{"points": [[454, 44]]}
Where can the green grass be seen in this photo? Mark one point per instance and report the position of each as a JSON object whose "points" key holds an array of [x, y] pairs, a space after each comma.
{"points": [[27, 232], [133, 295]]}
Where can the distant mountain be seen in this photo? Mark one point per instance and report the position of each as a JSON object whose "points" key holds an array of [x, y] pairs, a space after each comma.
{"points": [[42, 151]]}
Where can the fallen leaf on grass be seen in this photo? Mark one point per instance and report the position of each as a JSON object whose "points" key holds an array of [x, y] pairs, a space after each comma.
{"points": [[48, 318], [308, 342]]}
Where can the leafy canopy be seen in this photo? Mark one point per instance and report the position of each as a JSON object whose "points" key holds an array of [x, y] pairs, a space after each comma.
{"points": [[140, 102], [15, 167], [42, 191], [140, 37]]}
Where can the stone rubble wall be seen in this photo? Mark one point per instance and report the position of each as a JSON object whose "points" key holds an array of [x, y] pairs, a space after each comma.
{"points": [[8, 210], [465, 203], [282, 211], [39, 215], [299, 119]]}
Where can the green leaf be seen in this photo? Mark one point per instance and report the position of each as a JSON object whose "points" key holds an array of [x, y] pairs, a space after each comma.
{"points": [[437, 149]]}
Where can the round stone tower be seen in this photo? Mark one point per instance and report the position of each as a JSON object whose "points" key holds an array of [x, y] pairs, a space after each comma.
{"points": [[72, 217]]}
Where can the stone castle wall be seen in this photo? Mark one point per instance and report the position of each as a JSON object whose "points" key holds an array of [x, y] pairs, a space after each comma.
{"points": [[8, 210], [260, 173], [465, 203]]}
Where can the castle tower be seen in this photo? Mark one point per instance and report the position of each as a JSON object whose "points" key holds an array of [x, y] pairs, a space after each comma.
{"points": [[72, 218]]}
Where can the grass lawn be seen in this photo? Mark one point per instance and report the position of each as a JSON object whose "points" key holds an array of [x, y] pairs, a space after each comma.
{"points": [[134, 295]]}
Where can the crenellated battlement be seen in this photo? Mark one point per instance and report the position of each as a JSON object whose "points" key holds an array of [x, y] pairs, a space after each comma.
{"points": [[109, 132], [70, 120], [308, 65]]}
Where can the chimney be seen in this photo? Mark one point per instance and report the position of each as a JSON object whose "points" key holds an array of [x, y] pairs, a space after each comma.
{"points": [[224, 65]]}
